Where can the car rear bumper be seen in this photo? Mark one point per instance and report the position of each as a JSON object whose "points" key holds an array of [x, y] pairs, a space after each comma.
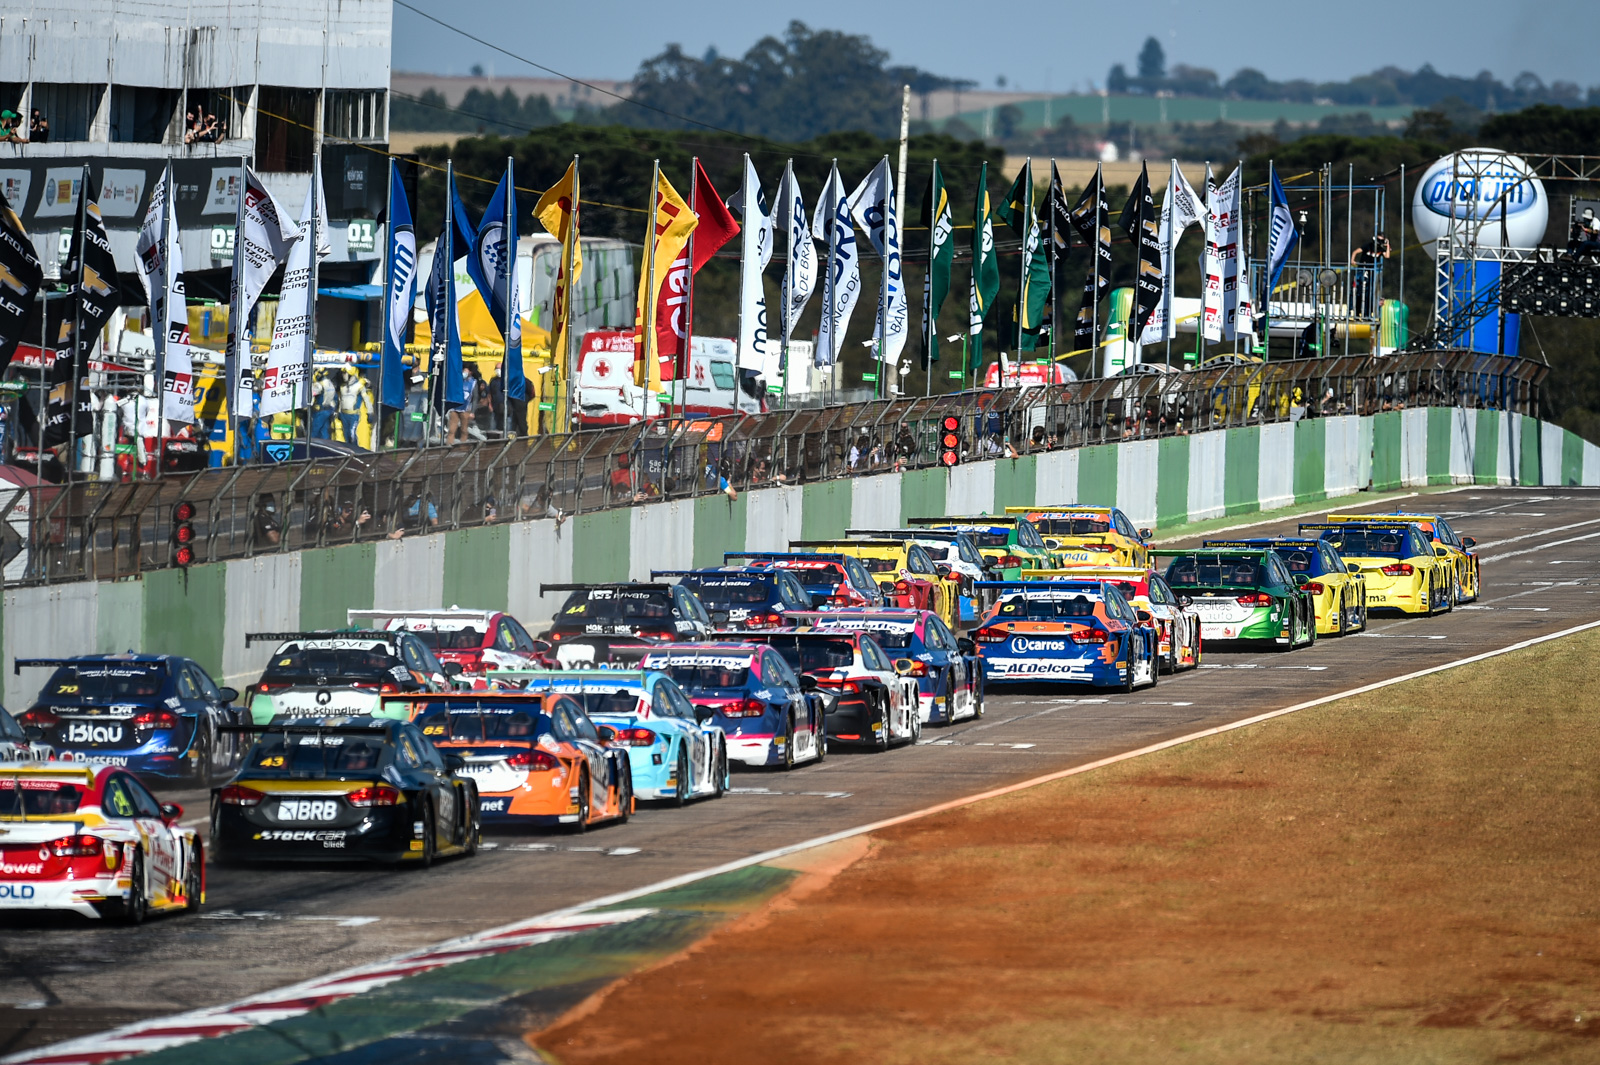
{"points": [[387, 834], [78, 896], [1086, 670], [854, 720]]}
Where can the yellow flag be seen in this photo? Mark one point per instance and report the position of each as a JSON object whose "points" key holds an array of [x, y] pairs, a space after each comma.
{"points": [[674, 223], [557, 211]]}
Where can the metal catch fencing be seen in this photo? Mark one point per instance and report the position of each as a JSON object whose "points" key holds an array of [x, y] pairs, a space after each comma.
{"points": [[109, 530]]}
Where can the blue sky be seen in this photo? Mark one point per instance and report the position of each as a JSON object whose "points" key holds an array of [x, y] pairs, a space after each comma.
{"points": [[1061, 47]]}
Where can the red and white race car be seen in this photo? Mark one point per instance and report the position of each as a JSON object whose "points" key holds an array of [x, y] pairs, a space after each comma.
{"points": [[480, 641], [93, 840]]}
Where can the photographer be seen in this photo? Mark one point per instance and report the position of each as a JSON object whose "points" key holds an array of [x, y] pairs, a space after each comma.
{"points": [[1369, 256]]}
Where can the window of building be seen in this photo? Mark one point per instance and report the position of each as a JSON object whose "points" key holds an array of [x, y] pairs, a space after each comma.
{"points": [[354, 114], [69, 108], [285, 129], [214, 115], [141, 115]]}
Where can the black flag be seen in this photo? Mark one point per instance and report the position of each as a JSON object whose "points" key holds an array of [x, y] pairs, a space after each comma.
{"points": [[1139, 221], [93, 271], [20, 275], [1091, 217]]}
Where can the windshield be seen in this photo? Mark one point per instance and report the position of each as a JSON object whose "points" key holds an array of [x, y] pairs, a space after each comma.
{"points": [[1073, 526], [1031, 606], [891, 637], [992, 538], [704, 672], [607, 606], [316, 753], [807, 653], [483, 721], [715, 592], [39, 798], [881, 565], [1370, 543], [624, 701], [93, 682], [1301, 561], [295, 666], [1220, 572], [467, 639]]}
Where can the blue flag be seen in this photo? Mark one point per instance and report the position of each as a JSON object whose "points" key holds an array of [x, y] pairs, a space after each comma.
{"points": [[400, 288], [1283, 237], [491, 265], [445, 357]]}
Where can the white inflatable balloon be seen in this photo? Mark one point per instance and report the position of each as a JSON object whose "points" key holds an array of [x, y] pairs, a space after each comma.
{"points": [[1466, 193]]}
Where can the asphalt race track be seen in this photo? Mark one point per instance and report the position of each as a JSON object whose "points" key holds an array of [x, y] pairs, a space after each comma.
{"points": [[265, 928]]}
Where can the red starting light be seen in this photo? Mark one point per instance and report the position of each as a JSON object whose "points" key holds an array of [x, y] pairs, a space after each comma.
{"points": [[950, 441]]}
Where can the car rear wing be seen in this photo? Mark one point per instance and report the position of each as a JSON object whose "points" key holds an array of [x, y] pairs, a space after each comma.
{"points": [[846, 543], [599, 677], [1341, 526], [377, 635], [632, 586], [697, 572], [941, 535], [376, 728], [19, 664], [1037, 585], [454, 612], [981, 519], [763, 555]]}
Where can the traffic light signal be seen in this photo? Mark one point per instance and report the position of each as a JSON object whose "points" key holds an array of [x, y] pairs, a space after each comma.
{"points": [[183, 533], [950, 441]]}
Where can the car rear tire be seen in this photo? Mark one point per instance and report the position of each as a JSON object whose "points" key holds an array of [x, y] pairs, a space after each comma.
{"points": [[474, 825], [582, 824], [1344, 617], [916, 724], [1129, 674], [721, 771], [194, 879], [680, 794], [430, 836], [136, 907], [788, 745], [625, 794], [885, 736]]}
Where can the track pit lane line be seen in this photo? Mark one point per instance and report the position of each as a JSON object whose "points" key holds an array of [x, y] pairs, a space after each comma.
{"points": [[542, 848], [769, 791], [1535, 549], [273, 915]]}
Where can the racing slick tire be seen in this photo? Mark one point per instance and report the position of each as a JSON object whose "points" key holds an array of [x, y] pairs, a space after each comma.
{"points": [[474, 827], [950, 702], [205, 773], [625, 794], [194, 879], [136, 907], [1155, 665], [788, 745], [1129, 674], [1344, 618], [1294, 635], [721, 770], [430, 836], [916, 725], [884, 739], [977, 698], [582, 824], [681, 795]]}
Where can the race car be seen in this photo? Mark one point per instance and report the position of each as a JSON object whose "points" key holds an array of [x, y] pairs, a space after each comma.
{"points": [[479, 641], [595, 652], [93, 840], [1402, 570], [830, 581], [1009, 544], [15, 746], [157, 715], [628, 608], [1067, 631], [955, 555], [743, 597], [342, 788], [875, 699], [903, 570], [769, 715], [536, 758], [675, 751], [1093, 536], [1245, 596], [1338, 596], [946, 668], [1460, 548], [1177, 624], [344, 672]]}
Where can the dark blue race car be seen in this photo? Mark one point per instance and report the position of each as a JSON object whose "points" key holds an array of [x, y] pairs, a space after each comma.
{"points": [[743, 597], [946, 667], [831, 581], [157, 715]]}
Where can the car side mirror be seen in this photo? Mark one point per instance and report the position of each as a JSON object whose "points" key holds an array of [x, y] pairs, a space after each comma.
{"points": [[1184, 600], [966, 646], [943, 568], [1351, 567], [608, 735], [1144, 615], [170, 812], [454, 762], [903, 666], [1145, 534], [1441, 552], [1052, 543], [808, 683], [1468, 541], [702, 714], [228, 695]]}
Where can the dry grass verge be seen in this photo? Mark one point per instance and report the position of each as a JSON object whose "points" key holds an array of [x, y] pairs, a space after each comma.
{"points": [[1404, 876]]}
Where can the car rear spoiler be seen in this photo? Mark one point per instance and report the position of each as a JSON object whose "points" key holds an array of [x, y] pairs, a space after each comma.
{"points": [[1037, 584], [546, 589], [906, 534], [291, 726], [685, 572], [1341, 526], [839, 543], [982, 519], [325, 634], [453, 612], [600, 675], [726, 555], [18, 665]]}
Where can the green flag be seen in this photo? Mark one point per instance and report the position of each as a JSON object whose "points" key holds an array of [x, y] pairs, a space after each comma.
{"points": [[985, 267], [939, 219], [1017, 211]]}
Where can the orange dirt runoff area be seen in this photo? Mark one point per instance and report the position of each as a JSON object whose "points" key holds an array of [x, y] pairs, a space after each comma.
{"points": [[1405, 876]]}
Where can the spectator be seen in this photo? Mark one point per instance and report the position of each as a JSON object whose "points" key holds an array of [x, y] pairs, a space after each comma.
{"points": [[39, 128], [8, 128], [354, 397], [190, 126], [538, 503], [324, 403], [497, 398], [1038, 441], [1369, 256], [414, 511], [515, 411], [265, 528], [620, 484], [856, 450], [459, 415]]}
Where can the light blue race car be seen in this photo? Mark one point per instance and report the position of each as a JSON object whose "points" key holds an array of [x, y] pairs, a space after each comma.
{"points": [[677, 751]]}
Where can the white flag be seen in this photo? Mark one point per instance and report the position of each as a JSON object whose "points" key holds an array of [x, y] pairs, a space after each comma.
{"points": [[163, 289], [1179, 210], [843, 285], [283, 384], [756, 350], [1220, 293], [801, 277], [261, 241], [872, 206]]}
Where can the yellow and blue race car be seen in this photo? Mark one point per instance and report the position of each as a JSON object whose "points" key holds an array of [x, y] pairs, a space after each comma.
{"points": [[1090, 536], [1459, 548], [1398, 561], [1338, 595]]}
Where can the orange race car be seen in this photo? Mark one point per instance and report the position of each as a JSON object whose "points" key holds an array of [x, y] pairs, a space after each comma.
{"points": [[536, 758]]}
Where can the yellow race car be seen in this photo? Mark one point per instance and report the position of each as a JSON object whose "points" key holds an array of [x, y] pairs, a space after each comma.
{"points": [[1398, 561], [1177, 625], [1338, 596], [1457, 547], [1090, 536], [903, 570]]}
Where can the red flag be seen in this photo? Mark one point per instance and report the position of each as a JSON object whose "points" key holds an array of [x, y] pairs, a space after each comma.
{"points": [[716, 228]]}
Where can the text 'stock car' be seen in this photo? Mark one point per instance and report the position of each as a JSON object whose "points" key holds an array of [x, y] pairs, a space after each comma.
{"points": [[831, 581], [1245, 595], [1402, 569], [743, 597], [654, 611], [1338, 595], [675, 750], [479, 641], [1090, 536], [93, 840], [339, 788], [1177, 623], [537, 758], [875, 699], [158, 715], [946, 668], [1009, 544], [903, 570], [1066, 632], [1458, 548], [768, 713], [336, 673]]}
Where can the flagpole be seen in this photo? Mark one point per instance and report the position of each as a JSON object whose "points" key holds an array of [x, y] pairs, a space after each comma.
{"points": [[827, 276], [786, 188], [235, 326], [566, 331], [388, 279], [1050, 207], [311, 293], [159, 329], [510, 308], [648, 327], [1099, 226], [929, 326], [1022, 273], [680, 372], [1266, 333], [77, 326], [883, 291], [44, 378]]}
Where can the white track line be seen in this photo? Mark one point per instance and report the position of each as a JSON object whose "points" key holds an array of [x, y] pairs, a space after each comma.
{"points": [[1534, 535], [1331, 510], [1540, 547], [264, 1008]]}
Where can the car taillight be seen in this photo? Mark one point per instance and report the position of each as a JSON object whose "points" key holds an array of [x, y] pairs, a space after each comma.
{"points": [[153, 719], [1314, 587], [657, 634], [555, 637], [768, 619], [239, 795], [388, 687], [835, 684], [1104, 548], [264, 687], [1256, 599], [39, 719], [471, 661], [635, 737], [841, 600], [1089, 636], [743, 708], [918, 669], [381, 795], [1399, 569], [902, 586], [533, 761], [990, 636], [75, 847], [1008, 561]]}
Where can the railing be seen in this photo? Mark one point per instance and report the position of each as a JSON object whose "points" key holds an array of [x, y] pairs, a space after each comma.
{"points": [[100, 530]]}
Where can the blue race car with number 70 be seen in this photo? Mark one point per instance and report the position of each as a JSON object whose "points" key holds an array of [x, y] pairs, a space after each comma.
{"points": [[1066, 631]]}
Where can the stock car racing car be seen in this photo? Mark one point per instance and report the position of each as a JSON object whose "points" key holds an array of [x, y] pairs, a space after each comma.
{"points": [[743, 597], [93, 840], [340, 788], [1066, 632], [1177, 624], [536, 758], [479, 641], [955, 555], [876, 703], [903, 570], [1402, 568], [675, 750], [1459, 548], [349, 672], [1245, 596], [769, 715], [628, 608], [1338, 596], [1090, 536], [946, 668], [1009, 544], [157, 715], [831, 581]]}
